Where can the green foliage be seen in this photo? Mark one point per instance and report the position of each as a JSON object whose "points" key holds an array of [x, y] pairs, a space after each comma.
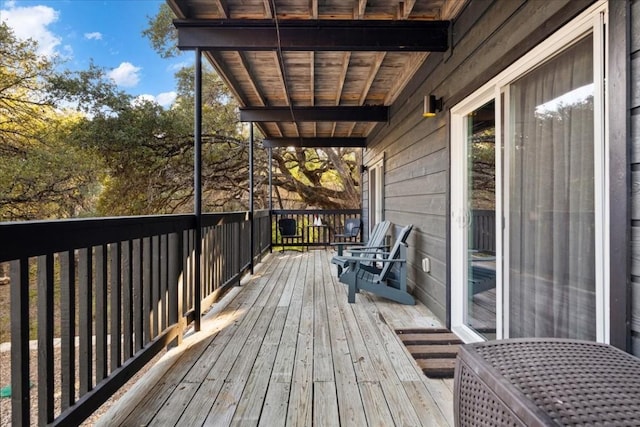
{"points": [[40, 175], [162, 34], [107, 154]]}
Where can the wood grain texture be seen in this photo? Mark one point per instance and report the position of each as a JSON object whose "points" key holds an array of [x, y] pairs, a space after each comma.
{"points": [[289, 349]]}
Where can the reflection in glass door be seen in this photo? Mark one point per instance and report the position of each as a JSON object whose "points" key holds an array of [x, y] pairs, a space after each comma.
{"points": [[480, 205]]}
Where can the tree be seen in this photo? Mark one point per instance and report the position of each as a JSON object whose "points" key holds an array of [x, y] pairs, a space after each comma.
{"points": [[323, 178], [40, 176]]}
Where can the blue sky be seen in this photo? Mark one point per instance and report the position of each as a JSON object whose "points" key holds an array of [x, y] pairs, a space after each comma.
{"points": [[107, 31]]}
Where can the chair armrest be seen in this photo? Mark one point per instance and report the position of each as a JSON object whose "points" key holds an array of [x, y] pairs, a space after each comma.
{"points": [[347, 244], [371, 247], [357, 259], [372, 253]]}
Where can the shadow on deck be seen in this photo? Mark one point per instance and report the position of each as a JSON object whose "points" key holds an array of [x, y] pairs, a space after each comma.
{"points": [[287, 349]]}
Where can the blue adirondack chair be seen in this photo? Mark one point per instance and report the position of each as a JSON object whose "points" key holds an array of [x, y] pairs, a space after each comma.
{"points": [[381, 273]]}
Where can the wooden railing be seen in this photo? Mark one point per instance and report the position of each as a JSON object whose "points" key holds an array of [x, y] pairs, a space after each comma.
{"points": [[316, 227], [483, 224], [110, 294]]}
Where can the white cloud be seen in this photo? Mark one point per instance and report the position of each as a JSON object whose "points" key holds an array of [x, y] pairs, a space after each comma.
{"points": [[126, 75], [166, 98], [32, 22], [93, 36]]}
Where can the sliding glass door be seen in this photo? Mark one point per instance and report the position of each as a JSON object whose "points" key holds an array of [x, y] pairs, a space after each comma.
{"points": [[527, 195]]}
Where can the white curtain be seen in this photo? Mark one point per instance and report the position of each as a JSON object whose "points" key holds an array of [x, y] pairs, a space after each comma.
{"points": [[551, 198]]}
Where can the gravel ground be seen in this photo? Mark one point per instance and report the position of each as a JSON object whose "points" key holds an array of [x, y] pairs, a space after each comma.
{"points": [[5, 379]]}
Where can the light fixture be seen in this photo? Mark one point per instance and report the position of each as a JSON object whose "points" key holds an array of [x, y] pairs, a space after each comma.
{"points": [[431, 106], [363, 168]]}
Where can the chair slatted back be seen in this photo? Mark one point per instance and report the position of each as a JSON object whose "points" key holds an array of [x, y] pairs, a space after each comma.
{"points": [[395, 252], [378, 233]]}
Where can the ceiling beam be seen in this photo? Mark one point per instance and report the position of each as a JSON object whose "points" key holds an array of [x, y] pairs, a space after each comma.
{"points": [[343, 75], [360, 7], [314, 35], [223, 8], [314, 142], [315, 114]]}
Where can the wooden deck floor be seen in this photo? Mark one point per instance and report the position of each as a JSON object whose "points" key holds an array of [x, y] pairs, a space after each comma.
{"points": [[287, 349]]}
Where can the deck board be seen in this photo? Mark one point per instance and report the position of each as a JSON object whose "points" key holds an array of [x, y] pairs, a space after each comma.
{"points": [[288, 349]]}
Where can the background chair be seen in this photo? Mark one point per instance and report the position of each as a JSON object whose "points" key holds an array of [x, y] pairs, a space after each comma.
{"points": [[289, 231], [350, 231]]}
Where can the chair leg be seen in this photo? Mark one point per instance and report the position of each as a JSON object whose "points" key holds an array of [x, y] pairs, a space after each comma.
{"points": [[352, 292]]}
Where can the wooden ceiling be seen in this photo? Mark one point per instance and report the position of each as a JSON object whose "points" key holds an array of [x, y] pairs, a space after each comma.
{"points": [[315, 72]]}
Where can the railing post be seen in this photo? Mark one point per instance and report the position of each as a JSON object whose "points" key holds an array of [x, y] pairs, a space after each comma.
{"points": [[251, 238], [20, 403], [197, 190]]}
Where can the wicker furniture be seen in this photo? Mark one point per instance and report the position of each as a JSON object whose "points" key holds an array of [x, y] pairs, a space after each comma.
{"points": [[541, 382]]}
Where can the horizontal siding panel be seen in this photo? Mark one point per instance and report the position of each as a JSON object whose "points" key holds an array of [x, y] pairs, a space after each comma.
{"points": [[635, 307], [433, 185], [430, 224], [635, 195], [401, 154], [428, 284], [433, 303], [426, 166], [430, 205], [433, 247], [635, 26], [635, 82], [635, 258], [635, 139], [438, 272], [415, 138]]}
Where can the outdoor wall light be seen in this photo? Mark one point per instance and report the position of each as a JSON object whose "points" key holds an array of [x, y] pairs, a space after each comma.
{"points": [[431, 106], [363, 168]]}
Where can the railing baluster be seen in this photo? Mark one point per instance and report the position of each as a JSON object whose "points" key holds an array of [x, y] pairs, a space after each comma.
{"points": [[208, 254], [127, 307], [155, 284], [136, 267], [187, 272], [174, 250], [20, 403], [85, 311], [68, 328], [102, 325], [146, 289], [116, 305], [45, 339], [163, 282]]}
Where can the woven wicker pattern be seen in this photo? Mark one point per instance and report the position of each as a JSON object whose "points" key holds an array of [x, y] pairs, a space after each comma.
{"points": [[477, 405], [574, 382]]}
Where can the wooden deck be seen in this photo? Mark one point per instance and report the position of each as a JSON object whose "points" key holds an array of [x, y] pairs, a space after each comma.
{"points": [[287, 349]]}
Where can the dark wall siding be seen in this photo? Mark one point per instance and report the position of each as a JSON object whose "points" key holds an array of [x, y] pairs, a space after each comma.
{"points": [[488, 36], [635, 175]]}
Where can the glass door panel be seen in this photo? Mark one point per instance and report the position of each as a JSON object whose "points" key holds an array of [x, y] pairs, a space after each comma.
{"points": [[480, 292], [551, 217]]}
